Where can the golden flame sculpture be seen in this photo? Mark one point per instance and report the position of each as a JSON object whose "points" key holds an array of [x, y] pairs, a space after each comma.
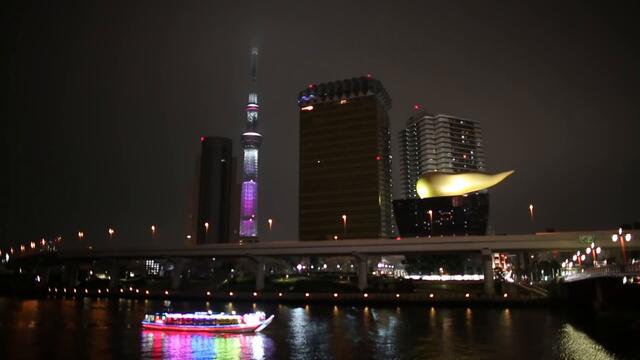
{"points": [[436, 184]]}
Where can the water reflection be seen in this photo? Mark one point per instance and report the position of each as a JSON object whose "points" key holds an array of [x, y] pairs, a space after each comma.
{"points": [[574, 344], [177, 345], [93, 329]]}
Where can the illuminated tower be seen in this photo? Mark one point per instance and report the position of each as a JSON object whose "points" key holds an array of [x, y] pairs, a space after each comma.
{"points": [[251, 141]]}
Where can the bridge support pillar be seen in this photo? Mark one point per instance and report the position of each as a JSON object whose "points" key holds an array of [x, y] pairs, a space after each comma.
{"points": [[487, 269], [176, 274], [115, 270], [260, 275], [70, 275], [259, 271], [45, 274], [363, 270]]}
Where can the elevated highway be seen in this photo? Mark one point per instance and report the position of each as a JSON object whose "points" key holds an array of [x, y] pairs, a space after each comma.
{"points": [[360, 249], [558, 241]]}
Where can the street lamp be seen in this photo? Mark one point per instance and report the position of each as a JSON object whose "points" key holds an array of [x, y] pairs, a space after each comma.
{"points": [[579, 258], [619, 236], [270, 222], [80, 235], [344, 226], [111, 232], [153, 232], [206, 231], [531, 213], [430, 212], [594, 251]]}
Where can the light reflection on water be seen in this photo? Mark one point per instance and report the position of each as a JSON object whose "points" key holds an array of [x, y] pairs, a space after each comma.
{"points": [[88, 329], [179, 345], [574, 344]]}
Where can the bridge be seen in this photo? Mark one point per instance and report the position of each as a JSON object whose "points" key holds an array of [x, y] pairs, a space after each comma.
{"points": [[360, 249], [559, 241], [610, 271]]}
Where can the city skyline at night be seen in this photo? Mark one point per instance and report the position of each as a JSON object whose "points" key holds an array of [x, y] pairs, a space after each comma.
{"points": [[107, 136], [157, 201]]}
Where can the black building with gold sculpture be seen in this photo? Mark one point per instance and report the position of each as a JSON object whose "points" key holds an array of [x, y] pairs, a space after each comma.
{"points": [[448, 204]]}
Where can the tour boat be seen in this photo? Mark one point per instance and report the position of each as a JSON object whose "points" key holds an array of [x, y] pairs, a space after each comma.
{"points": [[208, 322]]}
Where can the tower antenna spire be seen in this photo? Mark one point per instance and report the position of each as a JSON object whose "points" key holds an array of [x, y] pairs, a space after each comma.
{"points": [[254, 68]]}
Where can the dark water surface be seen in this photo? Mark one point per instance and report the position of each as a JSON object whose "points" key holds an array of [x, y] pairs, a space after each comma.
{"points": [[101, 328]]}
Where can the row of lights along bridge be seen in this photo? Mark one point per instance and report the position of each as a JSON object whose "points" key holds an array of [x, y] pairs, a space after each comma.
{"points": [[579, 258], [134, 291]]}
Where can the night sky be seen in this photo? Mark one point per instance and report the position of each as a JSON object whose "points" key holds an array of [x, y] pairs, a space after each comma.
{"points": [[105, 103]]}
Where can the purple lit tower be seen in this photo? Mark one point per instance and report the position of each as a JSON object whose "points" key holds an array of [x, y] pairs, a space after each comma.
{"points": [[251, 141]]}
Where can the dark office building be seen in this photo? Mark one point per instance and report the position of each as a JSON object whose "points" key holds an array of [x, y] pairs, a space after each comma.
{"points": [[447, 215], [215, 191], [345, 161]]}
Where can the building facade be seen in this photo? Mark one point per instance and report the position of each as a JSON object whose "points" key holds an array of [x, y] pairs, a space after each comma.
{"points": [[214, 197], [345, 161], [443, 216], [251, 141], [438, 143]]}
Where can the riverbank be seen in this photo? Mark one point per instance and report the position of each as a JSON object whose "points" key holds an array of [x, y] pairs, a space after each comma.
{"points": [[432, 297]]}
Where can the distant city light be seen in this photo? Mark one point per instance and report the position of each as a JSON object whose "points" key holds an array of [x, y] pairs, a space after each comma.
{"points": [[445, 277]]}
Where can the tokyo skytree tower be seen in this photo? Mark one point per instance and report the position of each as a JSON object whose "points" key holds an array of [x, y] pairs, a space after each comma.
{"points": [[251, 141]]}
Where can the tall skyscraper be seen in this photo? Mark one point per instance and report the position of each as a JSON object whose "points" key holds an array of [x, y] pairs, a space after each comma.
{"points": [[345, 160], [215, 191], [251, 141], [438, 143]]}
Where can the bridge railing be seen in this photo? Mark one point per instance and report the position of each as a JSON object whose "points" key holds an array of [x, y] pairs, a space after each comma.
{"points": [[612, 270]]}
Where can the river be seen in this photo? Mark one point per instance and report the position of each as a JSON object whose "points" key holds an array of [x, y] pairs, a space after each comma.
{"points": [[102, 328]]}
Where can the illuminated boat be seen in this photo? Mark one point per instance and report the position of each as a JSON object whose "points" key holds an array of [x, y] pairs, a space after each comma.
{"points": [[207, 322]]}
